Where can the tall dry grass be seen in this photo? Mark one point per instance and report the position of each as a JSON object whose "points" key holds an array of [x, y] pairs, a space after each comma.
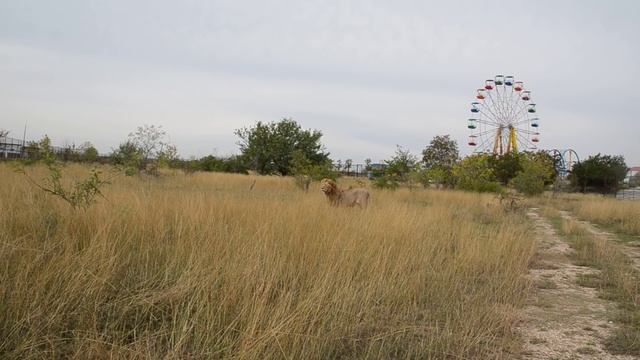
{"points": [[202, 267], [616, 215]]}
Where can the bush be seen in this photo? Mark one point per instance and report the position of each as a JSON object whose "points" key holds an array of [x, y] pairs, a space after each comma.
{"points": [[531, 179], [305, 170], [386, 182], [474, 173], [601, 173], [81, 194]]}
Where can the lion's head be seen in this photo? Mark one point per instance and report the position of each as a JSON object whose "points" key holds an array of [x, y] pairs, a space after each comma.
{"points": [[329, 187]]}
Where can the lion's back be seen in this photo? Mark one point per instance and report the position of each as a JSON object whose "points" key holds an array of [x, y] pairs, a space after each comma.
{"points": [[356, 196]]}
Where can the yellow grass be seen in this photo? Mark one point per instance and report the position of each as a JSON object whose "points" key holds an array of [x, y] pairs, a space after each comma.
{"points": [[620, 216], [200, 266]]}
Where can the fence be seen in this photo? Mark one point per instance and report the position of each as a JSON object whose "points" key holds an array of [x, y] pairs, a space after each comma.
{"points": [[628, 194], [11, 148], [358, 170]]}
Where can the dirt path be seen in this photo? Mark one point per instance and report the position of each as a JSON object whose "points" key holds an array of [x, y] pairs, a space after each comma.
{"points": [[562, 319], [631, 249]]}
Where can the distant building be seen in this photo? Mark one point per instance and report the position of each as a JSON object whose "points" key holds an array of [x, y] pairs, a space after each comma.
{"points": [[633, 171], [10, 148]]}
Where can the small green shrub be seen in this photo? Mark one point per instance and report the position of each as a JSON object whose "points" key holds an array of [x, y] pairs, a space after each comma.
{"points": [[81, 194]]}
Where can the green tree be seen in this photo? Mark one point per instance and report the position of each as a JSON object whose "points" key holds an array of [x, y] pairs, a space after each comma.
{"points": [[367, 164], [148, 149], [88, 152], [601, 173], [347, 165], [230, 164], [439, 158], [533, 176], [401, 164], [548, 162], [442, 152], [474, 173], [506, 166], [268, 148], [398, 169], [128, 157], [304, 170], [151, 141]]}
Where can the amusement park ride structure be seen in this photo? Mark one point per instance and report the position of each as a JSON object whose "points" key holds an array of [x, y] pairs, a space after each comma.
{"points": [[504, 119]]}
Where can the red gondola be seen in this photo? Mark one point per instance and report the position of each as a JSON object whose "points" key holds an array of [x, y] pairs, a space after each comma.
{"points": [[518, 86], [472, 140], [526, 95], [488, 84], [482, 93]]}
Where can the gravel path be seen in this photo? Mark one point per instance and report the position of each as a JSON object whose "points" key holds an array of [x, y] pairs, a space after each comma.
{"points": [[563, 320]]}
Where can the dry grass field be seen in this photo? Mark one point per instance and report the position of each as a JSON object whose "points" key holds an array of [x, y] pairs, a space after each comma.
{"points": [[201, 266], [616, 215]]}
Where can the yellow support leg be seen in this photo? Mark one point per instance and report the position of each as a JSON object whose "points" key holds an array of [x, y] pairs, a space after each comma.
{"points": [[497, 144], [513, 144]]}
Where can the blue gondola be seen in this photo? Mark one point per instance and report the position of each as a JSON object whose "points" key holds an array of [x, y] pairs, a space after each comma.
{"points": [[534, 122], [508, 80]]}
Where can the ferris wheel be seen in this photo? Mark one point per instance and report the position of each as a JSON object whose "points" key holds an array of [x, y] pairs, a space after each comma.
{"points": [[503, 118]]}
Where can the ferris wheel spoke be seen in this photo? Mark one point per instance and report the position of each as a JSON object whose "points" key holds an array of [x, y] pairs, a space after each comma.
{"points": [[497, 105], [491, 115], [487, 122], [514, 109], [500, 105], [489, 108], [485, 132], [522, 112], [503, 102], [485, 142], [528, 132], [522, 121]]}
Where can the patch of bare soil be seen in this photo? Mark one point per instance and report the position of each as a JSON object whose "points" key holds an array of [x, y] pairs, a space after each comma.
{"points": [[563, 320], [631, 249]]}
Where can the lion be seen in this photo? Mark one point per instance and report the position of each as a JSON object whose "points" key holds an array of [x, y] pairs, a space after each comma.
{"points": [[349, 198]]}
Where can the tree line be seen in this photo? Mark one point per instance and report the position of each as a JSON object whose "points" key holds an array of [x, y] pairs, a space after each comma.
{"points": [[284, 148]]}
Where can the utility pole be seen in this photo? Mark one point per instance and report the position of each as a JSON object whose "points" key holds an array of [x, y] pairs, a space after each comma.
{"points": [[24, 139]]}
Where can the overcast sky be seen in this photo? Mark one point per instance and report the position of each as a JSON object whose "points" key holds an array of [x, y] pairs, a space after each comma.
{"points": [[369, 74]]}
